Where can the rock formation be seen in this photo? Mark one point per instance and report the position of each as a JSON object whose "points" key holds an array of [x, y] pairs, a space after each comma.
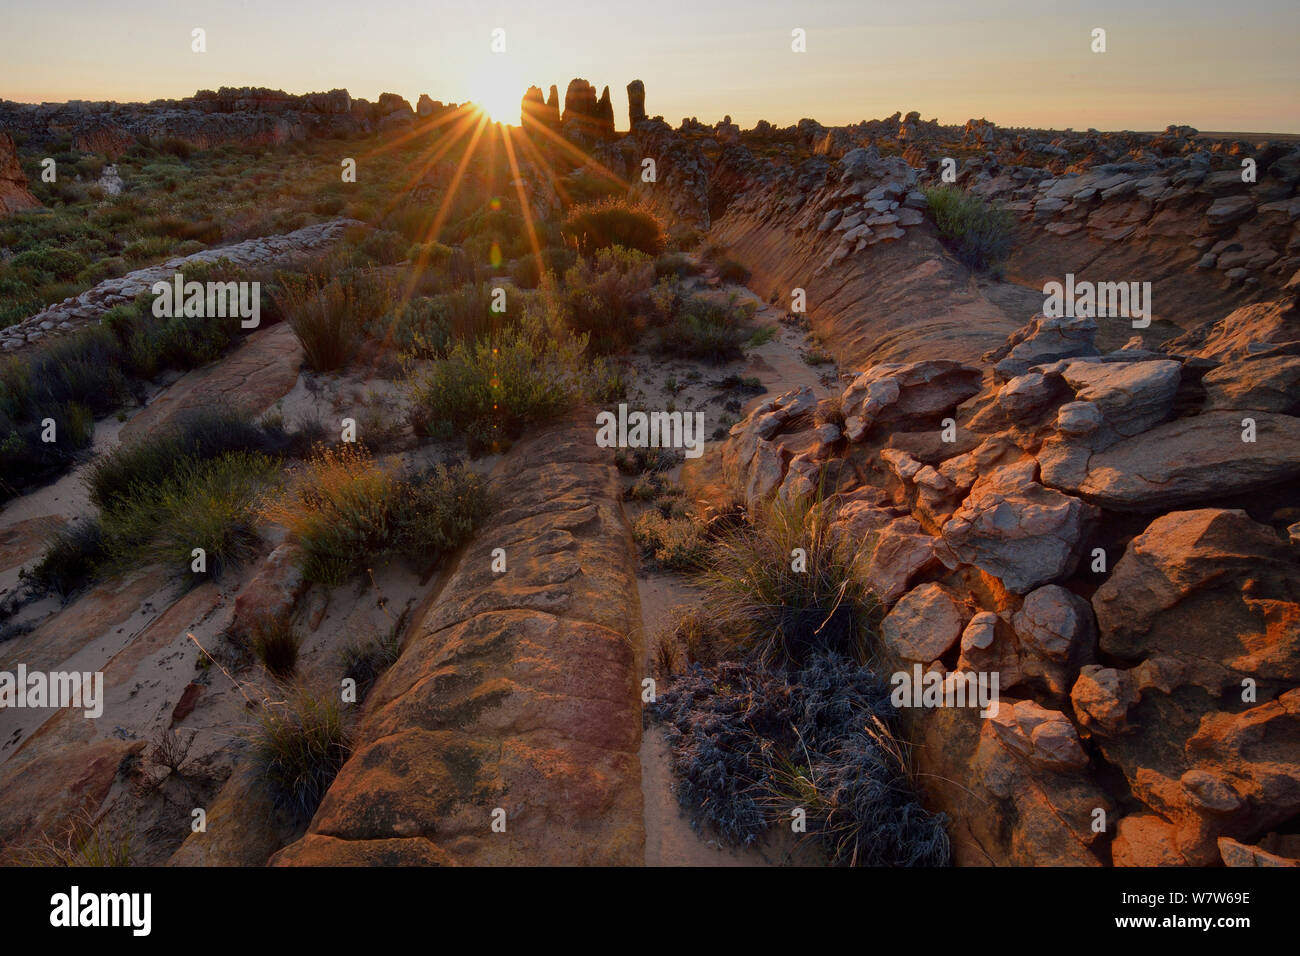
{"points": [[14, 194], [635, 103]]}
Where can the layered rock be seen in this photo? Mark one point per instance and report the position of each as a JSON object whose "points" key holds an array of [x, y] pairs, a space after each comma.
{"points": [[517, 691]]}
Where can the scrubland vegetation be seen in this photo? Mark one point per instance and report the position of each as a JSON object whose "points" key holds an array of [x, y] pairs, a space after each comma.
{"points": [[980, 231]]}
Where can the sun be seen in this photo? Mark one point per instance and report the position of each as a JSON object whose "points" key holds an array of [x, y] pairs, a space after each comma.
{"points": [[498, 92]]}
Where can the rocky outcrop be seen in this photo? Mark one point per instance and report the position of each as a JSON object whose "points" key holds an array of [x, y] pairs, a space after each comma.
{"points": [[517, 691], [587, 119], [635, 103], [75, 311], [1047, 520], [14, 194], [244, 116]]}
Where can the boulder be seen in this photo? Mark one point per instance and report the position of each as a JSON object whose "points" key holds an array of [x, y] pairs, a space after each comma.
{"points": [[1184, 461], [898, 392], [924, 625], [1205, 585], [1015, 529]]}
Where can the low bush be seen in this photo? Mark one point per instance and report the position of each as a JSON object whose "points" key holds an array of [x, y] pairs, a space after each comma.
{"points": [[675, 544], [615, 222], [328, 316], [729, 270], [750, 744], [980, 230], [197, 435], [704, 329], [72, 558], [607, 296], [299, 745], [210, 505], [346, 511], [489, 391]]}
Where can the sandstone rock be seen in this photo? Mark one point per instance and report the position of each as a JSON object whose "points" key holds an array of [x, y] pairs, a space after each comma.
{"points": [[1266, 383], [1056, 634], [1017, 530], [1235, 853], [272, 592], [895, 392], [1044, 737], [1210, 585], [516, 691], [14, 194], [1186, 460], [1144, 839], [1044, 340], [635, 103], [899, 552], [1232, 336], [923, 626]]}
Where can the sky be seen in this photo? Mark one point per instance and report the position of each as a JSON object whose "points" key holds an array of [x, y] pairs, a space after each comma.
{"points": [[1218, 66]]}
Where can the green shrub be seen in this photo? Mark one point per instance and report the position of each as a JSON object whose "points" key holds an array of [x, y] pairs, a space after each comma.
{"points": [[981, 230], [381, 247], [197, 435], [704, 329], [203, 504], [58, 264], [346, 511], [615, 222], [327, 317], [299, 746], [73, 555], [491, 390], [607, 296]]}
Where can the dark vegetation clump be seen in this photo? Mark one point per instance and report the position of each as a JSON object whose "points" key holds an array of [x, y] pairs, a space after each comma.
{"points": [[752, 744], [615, 222], [299, 745], [980, 230]]}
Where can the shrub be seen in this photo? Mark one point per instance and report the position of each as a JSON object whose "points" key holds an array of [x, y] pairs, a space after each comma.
{"points": [[676, 544], [491, 390], [749, 744], [704, 329], [203, 504], [56, 264], [72, 557], [299, 746], [615, 222], [197, 435], [382, 247], [276, 642], [779, 614], [729, 270], [607, 296], [981, 230], [676, 264], [526, 273], [434, 513], [345, 511], [328, 316]]}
